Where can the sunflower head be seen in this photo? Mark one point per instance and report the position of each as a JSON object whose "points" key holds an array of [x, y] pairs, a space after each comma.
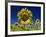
{"points": [[24, 15], [37, 22]]}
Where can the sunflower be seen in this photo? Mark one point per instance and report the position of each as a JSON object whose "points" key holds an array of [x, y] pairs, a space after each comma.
{"points": [[37, 24], [25, 16]]}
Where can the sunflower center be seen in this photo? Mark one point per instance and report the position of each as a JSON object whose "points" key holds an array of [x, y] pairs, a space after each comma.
{"points": [[25, 17]]}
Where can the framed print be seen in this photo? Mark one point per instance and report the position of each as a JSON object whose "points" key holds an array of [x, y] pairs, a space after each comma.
{"points": [[25, 18]]}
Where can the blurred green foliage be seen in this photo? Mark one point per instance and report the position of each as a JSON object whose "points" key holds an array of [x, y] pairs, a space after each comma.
{"points": [[17, 27]]}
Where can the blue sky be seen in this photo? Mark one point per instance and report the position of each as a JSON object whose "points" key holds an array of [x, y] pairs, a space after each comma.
{"points": [[36, 11]]}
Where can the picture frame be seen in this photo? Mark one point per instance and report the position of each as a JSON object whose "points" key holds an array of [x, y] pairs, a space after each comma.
{"points": [[12, 6]]}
